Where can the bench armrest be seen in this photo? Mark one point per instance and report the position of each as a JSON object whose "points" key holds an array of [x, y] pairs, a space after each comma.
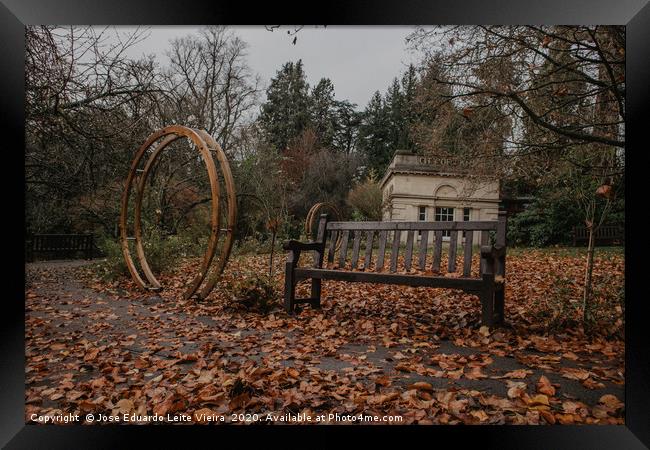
{"points": [[492, 251], [493, 260], [301, 246]]}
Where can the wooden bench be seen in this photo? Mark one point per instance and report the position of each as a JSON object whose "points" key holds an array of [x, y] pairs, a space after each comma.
{"points": [[605, 235], [61, 245], [489, 285]]}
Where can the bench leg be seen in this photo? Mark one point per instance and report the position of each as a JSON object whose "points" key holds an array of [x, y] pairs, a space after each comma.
{"points": [[499, 296], [289, 288], [315, 291], [487, 301]]}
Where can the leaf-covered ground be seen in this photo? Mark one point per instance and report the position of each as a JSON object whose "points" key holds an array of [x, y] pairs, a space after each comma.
{"points": [[416, 354]]}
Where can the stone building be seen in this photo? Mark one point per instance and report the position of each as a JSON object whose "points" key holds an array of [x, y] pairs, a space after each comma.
{"points": [[417, 187]]}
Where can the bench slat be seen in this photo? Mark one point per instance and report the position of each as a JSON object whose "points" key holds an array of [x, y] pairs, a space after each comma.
{"points": [[343, 252], [355, 248], [485, 240], [437, 251], [468, 284], [368, 258], [453, 242], [395, 250], [332, 249], [467, 257], [383, 236], [409, 250], [424, 237]]}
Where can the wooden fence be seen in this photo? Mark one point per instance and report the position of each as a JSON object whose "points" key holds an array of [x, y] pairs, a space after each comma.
{"points": [[61, 245]]}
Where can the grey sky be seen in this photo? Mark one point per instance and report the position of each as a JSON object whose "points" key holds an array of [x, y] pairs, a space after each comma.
{"points": [[358, 60]]}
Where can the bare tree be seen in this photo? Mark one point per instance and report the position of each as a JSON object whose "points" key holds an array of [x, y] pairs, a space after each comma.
{"points": [[89, 106], [209, 83], [549, 76], [83, 109], [561, 92]]}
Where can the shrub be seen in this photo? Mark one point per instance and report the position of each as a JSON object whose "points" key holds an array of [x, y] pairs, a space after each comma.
{"points": [[163, 253], [366, 199], [544, 223], [256, 246], [255, 292], [113, 266]]}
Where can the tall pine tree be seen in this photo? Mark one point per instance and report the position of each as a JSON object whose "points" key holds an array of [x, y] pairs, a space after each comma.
{"points": [[375, 141], [387, 123], [323, 112], [285, 114], [347, 131]]}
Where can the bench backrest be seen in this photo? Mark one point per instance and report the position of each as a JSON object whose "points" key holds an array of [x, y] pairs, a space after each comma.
{"points": [[339, 237], [602, 232]]}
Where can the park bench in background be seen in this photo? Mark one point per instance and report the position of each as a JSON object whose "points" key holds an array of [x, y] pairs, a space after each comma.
{"points": [[489, 285], [605, 235], [60, 245]]}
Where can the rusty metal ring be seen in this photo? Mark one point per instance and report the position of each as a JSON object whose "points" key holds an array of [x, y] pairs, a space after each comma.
{"points": [[313, 214], [170, 134]]}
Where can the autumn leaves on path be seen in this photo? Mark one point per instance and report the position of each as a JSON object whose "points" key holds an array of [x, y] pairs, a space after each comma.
{"points": [[414, 353]]}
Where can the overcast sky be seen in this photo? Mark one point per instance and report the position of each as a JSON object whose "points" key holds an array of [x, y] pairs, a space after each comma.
{"points": [[358, 60]]}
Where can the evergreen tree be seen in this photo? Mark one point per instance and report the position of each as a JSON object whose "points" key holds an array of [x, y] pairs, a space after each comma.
{"points": [[285, 114], [323, 112], [347, 131], [375, 142], [408, 114], [394, 104], [387, 123]]}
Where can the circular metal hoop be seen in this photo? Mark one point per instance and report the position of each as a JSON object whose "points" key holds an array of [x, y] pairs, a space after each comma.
{"points": [[205, 144], [231, 199], [313, 215]]}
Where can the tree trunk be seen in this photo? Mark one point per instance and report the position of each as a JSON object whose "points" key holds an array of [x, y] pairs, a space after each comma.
{"points": [[272, 248], [586, 299]]}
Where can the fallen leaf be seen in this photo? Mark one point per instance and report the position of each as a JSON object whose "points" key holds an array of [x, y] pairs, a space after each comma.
{"points": [[548, 417], [475, 374], [421, 385], [480, 415], [575, 374], [519, 373], [91, 354], [611, 402], [544, 386], [539, 399], [516, 389], [124, 406]]}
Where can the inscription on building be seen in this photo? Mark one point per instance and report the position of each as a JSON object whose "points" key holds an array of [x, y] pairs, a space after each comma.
{"points": [[448, 162]]}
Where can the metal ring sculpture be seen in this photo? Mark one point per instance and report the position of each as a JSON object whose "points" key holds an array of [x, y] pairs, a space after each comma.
{"points": [[154, 145], [313, 215]]}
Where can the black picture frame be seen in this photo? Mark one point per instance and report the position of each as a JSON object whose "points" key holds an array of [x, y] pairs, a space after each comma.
{"points": [[635, 14]]}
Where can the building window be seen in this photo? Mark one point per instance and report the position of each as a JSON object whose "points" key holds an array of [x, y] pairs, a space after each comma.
{"points": [[422, 213], [445, 215]]}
